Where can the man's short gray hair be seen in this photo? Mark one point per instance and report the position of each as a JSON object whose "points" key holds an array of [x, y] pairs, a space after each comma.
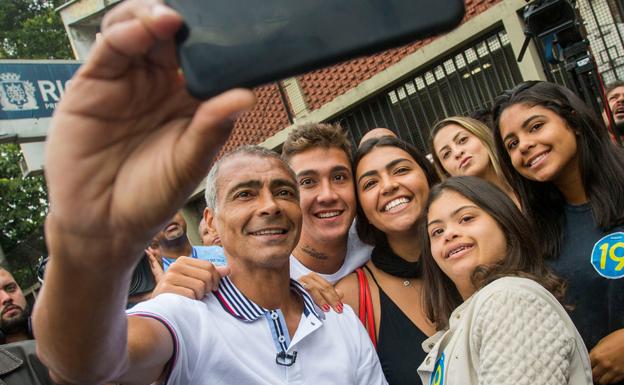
{"points": [[212, 178]]}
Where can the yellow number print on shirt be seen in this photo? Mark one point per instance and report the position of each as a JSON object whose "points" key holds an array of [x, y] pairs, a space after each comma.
{"points": [[608, 256]]}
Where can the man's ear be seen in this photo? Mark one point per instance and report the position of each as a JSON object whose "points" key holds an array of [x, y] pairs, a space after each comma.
{"points": [[209, 218]]}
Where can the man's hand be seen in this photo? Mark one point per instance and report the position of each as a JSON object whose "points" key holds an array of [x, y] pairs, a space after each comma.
{"points": [[128, 144], [126, 147], [191, 278], [323, 293], [607, 359]]}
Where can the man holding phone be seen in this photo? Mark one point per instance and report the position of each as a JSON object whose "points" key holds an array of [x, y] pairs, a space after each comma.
{"points": [[143, 126], [329, 248]]}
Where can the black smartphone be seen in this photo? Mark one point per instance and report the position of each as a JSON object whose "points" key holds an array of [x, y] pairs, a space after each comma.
{"points": [[232, 43]]}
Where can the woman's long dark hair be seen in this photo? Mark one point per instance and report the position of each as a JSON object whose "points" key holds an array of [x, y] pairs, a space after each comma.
{"points": [[522, 258], [601, 164], [366, 231]]}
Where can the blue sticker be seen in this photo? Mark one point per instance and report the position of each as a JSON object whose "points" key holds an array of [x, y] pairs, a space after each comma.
{"points": [[214, 254], [608, 256], [438, 372]]}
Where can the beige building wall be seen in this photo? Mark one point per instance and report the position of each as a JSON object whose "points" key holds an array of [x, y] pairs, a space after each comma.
{"points": [[82, 19]]}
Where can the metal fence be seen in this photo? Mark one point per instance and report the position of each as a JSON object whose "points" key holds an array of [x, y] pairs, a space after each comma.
{"points": [[458, 84], [604, 25]]}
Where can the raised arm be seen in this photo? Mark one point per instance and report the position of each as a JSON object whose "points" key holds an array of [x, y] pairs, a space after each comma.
{"points": [[126, 147]]}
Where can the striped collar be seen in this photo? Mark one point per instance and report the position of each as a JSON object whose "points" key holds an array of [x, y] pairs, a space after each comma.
{"points": [[241, 307]]}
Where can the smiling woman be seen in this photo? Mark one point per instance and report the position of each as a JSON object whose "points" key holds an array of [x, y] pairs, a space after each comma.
{"points": [[392, 183], [491, 297], [569, 177]]}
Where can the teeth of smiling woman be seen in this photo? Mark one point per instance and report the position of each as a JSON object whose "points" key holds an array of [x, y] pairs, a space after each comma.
{"points": [[532, 162], [457, 250], [269, 232], [329, 214], [395, 202]]}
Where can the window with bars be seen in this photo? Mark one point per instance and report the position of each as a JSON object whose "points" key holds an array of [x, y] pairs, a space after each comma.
{"points": [[457, 84]]}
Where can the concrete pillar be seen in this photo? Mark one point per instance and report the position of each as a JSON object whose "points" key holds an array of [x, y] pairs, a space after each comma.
{"points": [[296, 97]]}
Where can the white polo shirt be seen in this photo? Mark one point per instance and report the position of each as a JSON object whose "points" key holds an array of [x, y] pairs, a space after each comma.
{"points": [[227, 339], [358, 253]]}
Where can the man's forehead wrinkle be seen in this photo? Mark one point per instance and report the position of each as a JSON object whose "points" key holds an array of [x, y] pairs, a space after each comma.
{"points": [[279, 182], [258, 183], [229, 170], [235, 173], [249, 183], [616, 90]]}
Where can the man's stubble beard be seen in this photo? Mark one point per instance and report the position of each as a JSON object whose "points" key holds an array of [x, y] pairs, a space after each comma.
{"points": [[619, 127], [175, 243], [17, 323]]}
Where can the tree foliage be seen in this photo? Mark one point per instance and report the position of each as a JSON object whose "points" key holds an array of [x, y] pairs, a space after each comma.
{"points": [[23, 200], [31, 29], [23, 206]]}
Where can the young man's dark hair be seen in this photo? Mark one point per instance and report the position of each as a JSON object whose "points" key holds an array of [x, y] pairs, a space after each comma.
{"points": [[315, 135]]}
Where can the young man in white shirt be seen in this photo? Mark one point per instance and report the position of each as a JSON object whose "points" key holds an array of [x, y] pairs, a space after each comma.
{"points": [[320, 154]]}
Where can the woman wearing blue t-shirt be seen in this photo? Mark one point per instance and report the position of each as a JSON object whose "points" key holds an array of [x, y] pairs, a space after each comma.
{"points": [[569, 177]]}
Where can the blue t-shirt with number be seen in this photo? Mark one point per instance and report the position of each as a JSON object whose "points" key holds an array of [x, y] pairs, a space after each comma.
{"points": [[592, 263]]}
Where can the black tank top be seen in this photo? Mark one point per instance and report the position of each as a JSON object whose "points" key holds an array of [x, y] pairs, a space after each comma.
{"points": [[399, 345]]}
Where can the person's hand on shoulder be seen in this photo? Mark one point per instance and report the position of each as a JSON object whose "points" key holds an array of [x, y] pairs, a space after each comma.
{"points": [[323, 293]]}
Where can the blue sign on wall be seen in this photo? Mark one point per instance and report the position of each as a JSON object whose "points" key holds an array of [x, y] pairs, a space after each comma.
{"points": [[31, 90]]}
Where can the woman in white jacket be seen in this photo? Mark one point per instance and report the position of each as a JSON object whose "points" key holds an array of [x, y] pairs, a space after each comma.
{"points": [[495, 305]]}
